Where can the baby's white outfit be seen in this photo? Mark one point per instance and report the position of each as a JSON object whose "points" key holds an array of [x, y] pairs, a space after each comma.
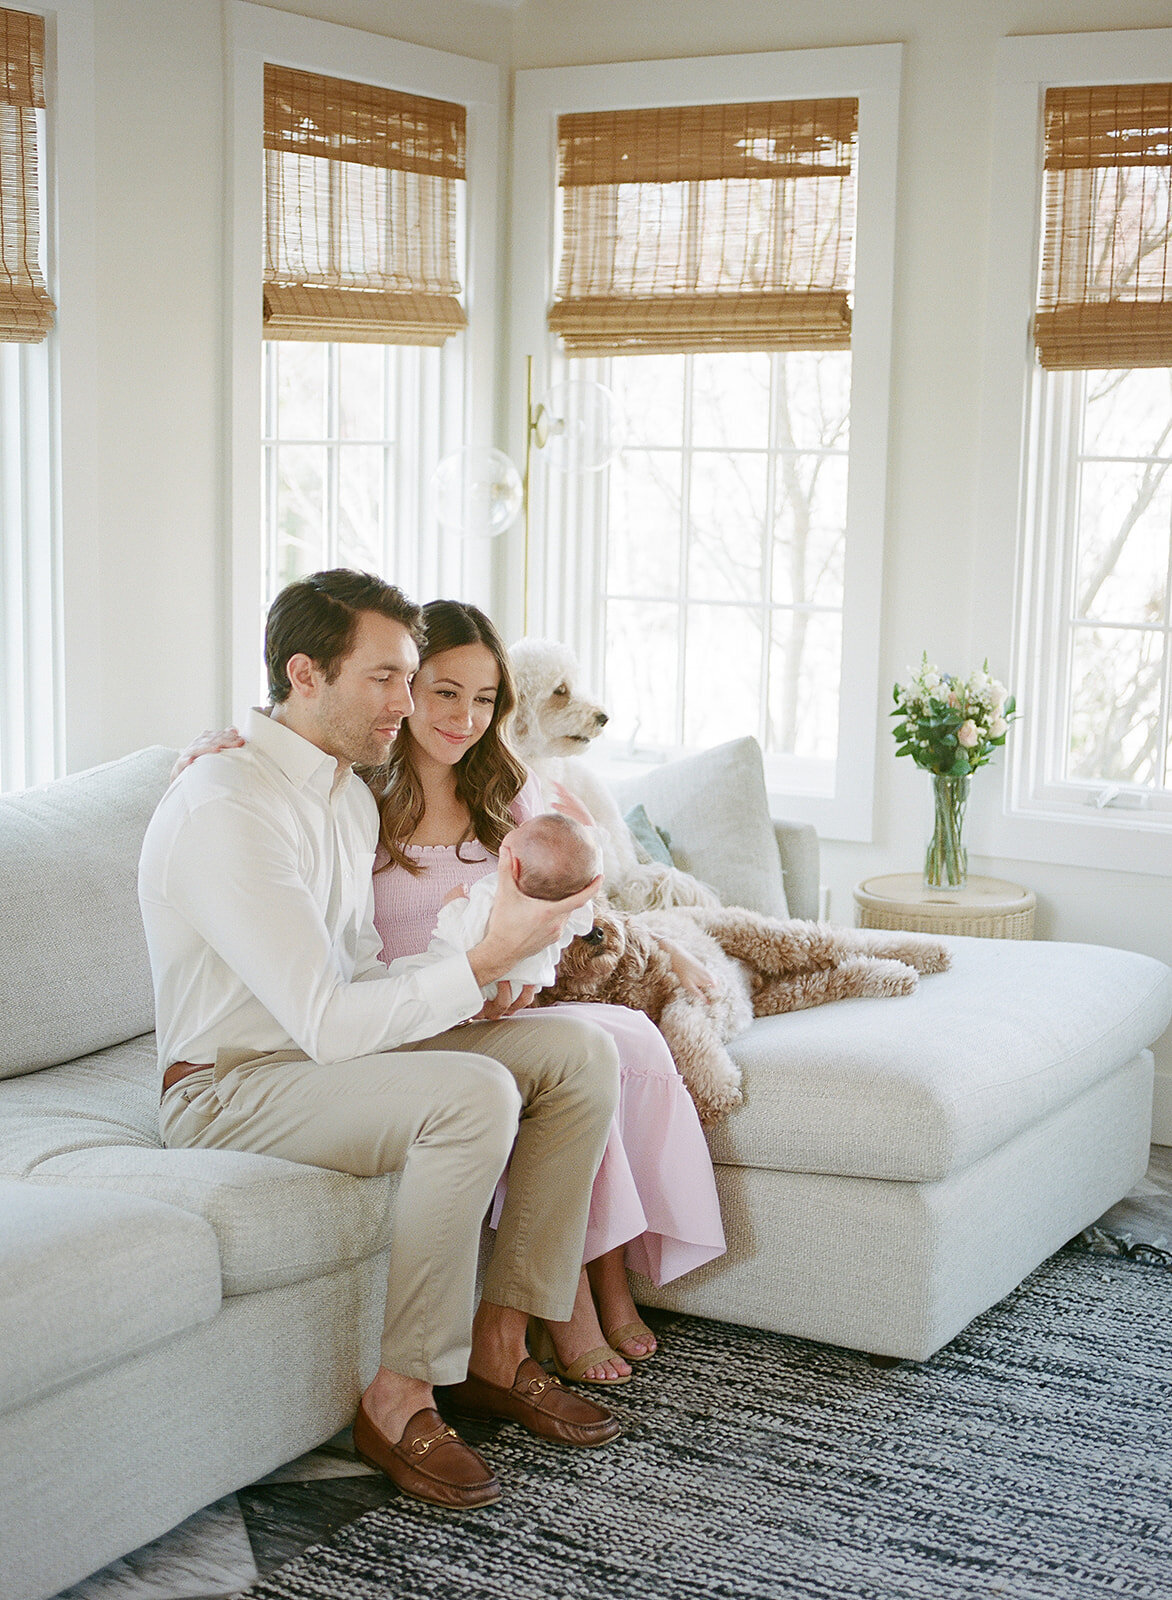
{"points": [[461, 924]]}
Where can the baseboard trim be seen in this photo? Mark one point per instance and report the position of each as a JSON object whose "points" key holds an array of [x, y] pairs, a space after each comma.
{"points": [[1162, 1107]]}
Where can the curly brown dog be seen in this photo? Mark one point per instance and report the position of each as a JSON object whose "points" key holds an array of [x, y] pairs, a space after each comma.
{"points": [[760, 966]]}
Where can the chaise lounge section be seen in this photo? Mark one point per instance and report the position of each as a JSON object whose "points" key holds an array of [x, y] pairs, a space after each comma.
{"points": [[900, 1165]]}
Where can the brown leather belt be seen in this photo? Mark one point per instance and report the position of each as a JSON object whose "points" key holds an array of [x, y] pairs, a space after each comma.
{"points": [[178, 1070]]}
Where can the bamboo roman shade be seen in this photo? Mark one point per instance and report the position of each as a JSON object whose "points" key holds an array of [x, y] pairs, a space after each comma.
{"points": [[360, 212], [26, 311], [1105, 293], [724, 227]]}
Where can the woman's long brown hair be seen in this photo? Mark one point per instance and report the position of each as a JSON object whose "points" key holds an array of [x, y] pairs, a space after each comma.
{"points": [[488, 777]]}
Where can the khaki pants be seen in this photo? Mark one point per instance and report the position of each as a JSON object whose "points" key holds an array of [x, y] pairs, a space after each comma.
{"points": [[443, 1112]]}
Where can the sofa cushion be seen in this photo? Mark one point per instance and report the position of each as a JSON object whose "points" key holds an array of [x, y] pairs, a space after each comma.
{"points": [[75, 975], [920, 1087], [109, 1098], [714, 809], [87, 1279], [94, 1123]]}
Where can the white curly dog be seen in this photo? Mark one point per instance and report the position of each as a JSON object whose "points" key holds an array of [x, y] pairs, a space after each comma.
{"points": [[554, 722]]}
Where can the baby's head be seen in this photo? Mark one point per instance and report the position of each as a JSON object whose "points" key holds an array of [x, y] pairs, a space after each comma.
{"points": [[557, 856]]}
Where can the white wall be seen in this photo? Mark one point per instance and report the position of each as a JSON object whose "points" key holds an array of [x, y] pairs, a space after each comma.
{"points": [[150, 614], [145, 601], [140, 597]]}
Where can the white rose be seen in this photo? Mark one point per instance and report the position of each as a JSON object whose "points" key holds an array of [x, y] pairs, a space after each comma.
{"points": [[967, 735], [997, 727], [998, 694]]}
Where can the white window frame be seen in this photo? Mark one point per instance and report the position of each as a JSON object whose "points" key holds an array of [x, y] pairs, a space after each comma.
{"points": [[870, 73], [1037, 820], [48, 547], [257, 34]]}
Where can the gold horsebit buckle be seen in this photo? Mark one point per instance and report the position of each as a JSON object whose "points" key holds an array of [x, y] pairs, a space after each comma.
{"points": [[420, 1447]]}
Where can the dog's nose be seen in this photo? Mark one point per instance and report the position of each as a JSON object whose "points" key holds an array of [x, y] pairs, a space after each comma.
{"points": [[601, 718], [595, 936]]}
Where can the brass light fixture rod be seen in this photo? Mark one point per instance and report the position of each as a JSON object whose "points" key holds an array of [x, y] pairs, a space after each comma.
{"points": [[537, 432]]}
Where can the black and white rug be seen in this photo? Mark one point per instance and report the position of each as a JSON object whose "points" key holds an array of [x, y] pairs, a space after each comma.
{"points": [[1031, 1458]]}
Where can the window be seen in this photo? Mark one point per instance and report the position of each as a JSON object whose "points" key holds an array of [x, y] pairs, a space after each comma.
{"points": [[378, 308], [50, 626], [363, 211], [1103, 330], [722, 542], [28, 567], [721, 576], [1089, 226], [349, 438], [724, 230], [1105, 717]]}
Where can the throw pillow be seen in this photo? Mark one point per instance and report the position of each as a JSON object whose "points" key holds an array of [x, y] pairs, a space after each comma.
{"points": [[714, 808], [647, 836]]}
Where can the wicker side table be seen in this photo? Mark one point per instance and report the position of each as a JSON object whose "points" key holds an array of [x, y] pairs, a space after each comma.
{"points": [[986, 908]]}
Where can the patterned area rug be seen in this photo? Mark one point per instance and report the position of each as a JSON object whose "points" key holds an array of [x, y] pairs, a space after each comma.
{"points": [[1031, 1458]]}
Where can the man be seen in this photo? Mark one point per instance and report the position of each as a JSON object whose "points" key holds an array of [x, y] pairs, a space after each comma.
{"points": [[281, 1032]]}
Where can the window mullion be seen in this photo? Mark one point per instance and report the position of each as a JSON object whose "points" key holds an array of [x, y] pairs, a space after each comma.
{"points": [[597, 574], [683, 593], [270, 463], [1165, 722], [12, 534], [1066, 395], [405, 562], [768, 612], [331, 486], [387, 520]]}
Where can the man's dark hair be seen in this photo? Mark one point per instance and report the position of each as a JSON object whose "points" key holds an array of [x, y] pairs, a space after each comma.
{"points": [[318, 616]]}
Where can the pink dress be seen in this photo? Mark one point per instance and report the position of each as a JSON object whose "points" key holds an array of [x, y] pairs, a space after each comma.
{"points": [[654, 1191]]}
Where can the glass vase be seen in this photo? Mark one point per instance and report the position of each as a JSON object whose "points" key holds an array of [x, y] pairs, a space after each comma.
{"points": [[946, 864]]}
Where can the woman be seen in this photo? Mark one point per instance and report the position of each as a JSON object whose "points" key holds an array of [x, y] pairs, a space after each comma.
{"points": [[450, 792]]}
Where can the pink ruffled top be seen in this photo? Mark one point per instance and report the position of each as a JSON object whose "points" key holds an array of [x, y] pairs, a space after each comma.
{"points": [[406, 904]]}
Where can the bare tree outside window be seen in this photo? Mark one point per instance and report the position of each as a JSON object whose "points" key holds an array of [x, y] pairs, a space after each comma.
{"points": [[725, 549], [1119, 629], [343, 455]]}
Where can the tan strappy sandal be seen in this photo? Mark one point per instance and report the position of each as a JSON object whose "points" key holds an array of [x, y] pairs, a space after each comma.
{"points": [[631, 1330], [542, 1348]]}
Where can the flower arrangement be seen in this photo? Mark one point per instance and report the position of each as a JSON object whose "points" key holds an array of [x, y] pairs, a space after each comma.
{"points": [[951, 726]]}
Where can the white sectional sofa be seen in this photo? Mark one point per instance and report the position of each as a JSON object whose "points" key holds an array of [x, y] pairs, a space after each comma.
{"points": [[174, 1324]]}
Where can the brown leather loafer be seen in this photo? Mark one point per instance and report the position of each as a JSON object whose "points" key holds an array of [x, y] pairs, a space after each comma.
{"points": [[539, 1403], [430, 1461]]}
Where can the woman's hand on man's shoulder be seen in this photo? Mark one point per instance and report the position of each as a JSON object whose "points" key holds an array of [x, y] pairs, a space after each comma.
{"points": [[208, 743]]}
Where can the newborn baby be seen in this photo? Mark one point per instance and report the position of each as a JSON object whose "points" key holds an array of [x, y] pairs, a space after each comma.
{"points": [[557, 857]]}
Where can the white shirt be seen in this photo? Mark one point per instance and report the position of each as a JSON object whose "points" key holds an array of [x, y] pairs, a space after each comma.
{"points": [[256, 894], [461, 924]]}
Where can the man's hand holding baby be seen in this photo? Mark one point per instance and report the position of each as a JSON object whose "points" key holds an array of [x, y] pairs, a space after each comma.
{"points": [[518, 925]]}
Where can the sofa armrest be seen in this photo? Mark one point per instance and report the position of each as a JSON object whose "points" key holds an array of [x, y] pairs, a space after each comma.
{"points": [[797, 845]]}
